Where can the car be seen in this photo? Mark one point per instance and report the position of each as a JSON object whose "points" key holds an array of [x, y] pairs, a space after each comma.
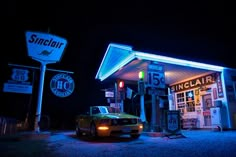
{"points": [[105, 121]]}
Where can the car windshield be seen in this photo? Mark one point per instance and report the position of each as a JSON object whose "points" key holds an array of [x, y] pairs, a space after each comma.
{"points": [[113, 110], [108, 109]]}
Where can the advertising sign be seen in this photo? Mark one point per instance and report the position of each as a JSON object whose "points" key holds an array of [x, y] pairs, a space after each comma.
{"points": [[196, 82], [156, 76], [109, 94], [20, 81], [45, 47], [219, 85], [62, 85], [172, 122]]}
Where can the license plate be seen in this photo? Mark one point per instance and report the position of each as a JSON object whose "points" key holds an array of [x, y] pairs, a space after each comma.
{"points": [[126, 130]]}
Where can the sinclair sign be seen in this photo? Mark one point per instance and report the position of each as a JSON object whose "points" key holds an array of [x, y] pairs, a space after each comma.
{"points": [[45, 47]]}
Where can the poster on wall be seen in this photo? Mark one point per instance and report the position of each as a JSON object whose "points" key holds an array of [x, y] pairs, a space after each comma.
{"points": [[215, 93], [197, 97], [219, 85]]}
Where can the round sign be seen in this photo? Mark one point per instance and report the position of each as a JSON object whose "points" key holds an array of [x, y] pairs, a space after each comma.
{"points": [[62, 85]]}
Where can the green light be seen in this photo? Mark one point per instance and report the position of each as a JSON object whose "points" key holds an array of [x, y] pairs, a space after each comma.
{"points": [[141, 75]]}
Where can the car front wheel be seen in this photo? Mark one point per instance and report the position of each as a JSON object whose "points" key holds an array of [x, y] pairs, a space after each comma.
{"points": [[93, 131], [78, 131]]}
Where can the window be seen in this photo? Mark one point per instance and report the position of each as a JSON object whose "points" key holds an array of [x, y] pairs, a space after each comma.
{"points": [[180, 102], [190, 104], [185, 100]]}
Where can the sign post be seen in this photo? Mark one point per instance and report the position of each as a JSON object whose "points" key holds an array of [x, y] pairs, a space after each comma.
{"points": [[40, 96], [156, 81], [44, 48], [141, 91]]}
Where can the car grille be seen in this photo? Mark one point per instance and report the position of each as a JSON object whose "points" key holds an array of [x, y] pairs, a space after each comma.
{"points": [[120, 132], [125, 121]]}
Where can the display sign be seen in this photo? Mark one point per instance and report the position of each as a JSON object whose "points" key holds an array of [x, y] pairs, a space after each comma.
{"points": [[129, 93], [172, 122], [206, 113], [156, 76], [197, 82], [62, 85], [115, 105], [20, 81], [45, 47], [219, 85], [109, 94]]}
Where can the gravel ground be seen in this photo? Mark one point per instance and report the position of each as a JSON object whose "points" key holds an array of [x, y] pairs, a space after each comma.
{"points": [[193, 143]]}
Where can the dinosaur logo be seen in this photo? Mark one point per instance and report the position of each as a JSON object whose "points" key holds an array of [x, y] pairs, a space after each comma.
{"points": [[45, 53]]}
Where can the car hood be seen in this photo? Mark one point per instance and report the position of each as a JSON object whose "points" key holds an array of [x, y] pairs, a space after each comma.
{"points": [[118, 115]]}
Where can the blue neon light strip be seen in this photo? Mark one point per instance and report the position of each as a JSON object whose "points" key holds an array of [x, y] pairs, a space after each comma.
{"points": [[116, 56], [117, 67], [164, 59]]}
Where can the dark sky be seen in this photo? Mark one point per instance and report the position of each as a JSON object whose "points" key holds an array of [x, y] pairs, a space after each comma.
{"points": [[183, 28], [200, 31]]}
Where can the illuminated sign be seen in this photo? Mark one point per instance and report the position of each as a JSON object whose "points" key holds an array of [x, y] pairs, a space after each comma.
{"points": [[109, 94], [156, 76], [20, 81], [205, 80], [45, 47]]}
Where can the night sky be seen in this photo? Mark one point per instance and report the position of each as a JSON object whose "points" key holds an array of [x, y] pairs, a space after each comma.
{"points": [[199, 31]]}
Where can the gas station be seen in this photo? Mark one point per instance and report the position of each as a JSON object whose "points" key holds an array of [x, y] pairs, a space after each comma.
{"points": [[203, 94]]}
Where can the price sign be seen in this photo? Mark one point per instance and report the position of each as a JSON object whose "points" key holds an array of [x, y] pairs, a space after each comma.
{"points": [[156, 79]]}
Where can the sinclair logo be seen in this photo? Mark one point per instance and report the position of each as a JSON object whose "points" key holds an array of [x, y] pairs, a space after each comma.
{"points": [[45, 47], [62, 85]]}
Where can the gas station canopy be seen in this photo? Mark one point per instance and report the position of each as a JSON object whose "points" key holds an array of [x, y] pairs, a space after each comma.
{"points": [[122, 62]]}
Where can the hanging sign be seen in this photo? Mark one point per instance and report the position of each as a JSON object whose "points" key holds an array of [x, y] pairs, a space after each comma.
{"points": [[20, 81], [193, 83], [62, 85]]}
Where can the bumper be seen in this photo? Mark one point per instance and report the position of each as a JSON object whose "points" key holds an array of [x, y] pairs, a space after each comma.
{"points": [[120, 130]]}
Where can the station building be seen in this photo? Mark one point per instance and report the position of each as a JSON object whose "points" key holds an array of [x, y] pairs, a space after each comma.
{"points": [[201, 92]]}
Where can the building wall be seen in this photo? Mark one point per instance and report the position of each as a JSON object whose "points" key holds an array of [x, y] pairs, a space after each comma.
{"points": [[229, 76], [198, 96]]}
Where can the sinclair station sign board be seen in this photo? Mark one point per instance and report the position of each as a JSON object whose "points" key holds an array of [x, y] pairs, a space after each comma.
{"points": [[45, 47]]}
